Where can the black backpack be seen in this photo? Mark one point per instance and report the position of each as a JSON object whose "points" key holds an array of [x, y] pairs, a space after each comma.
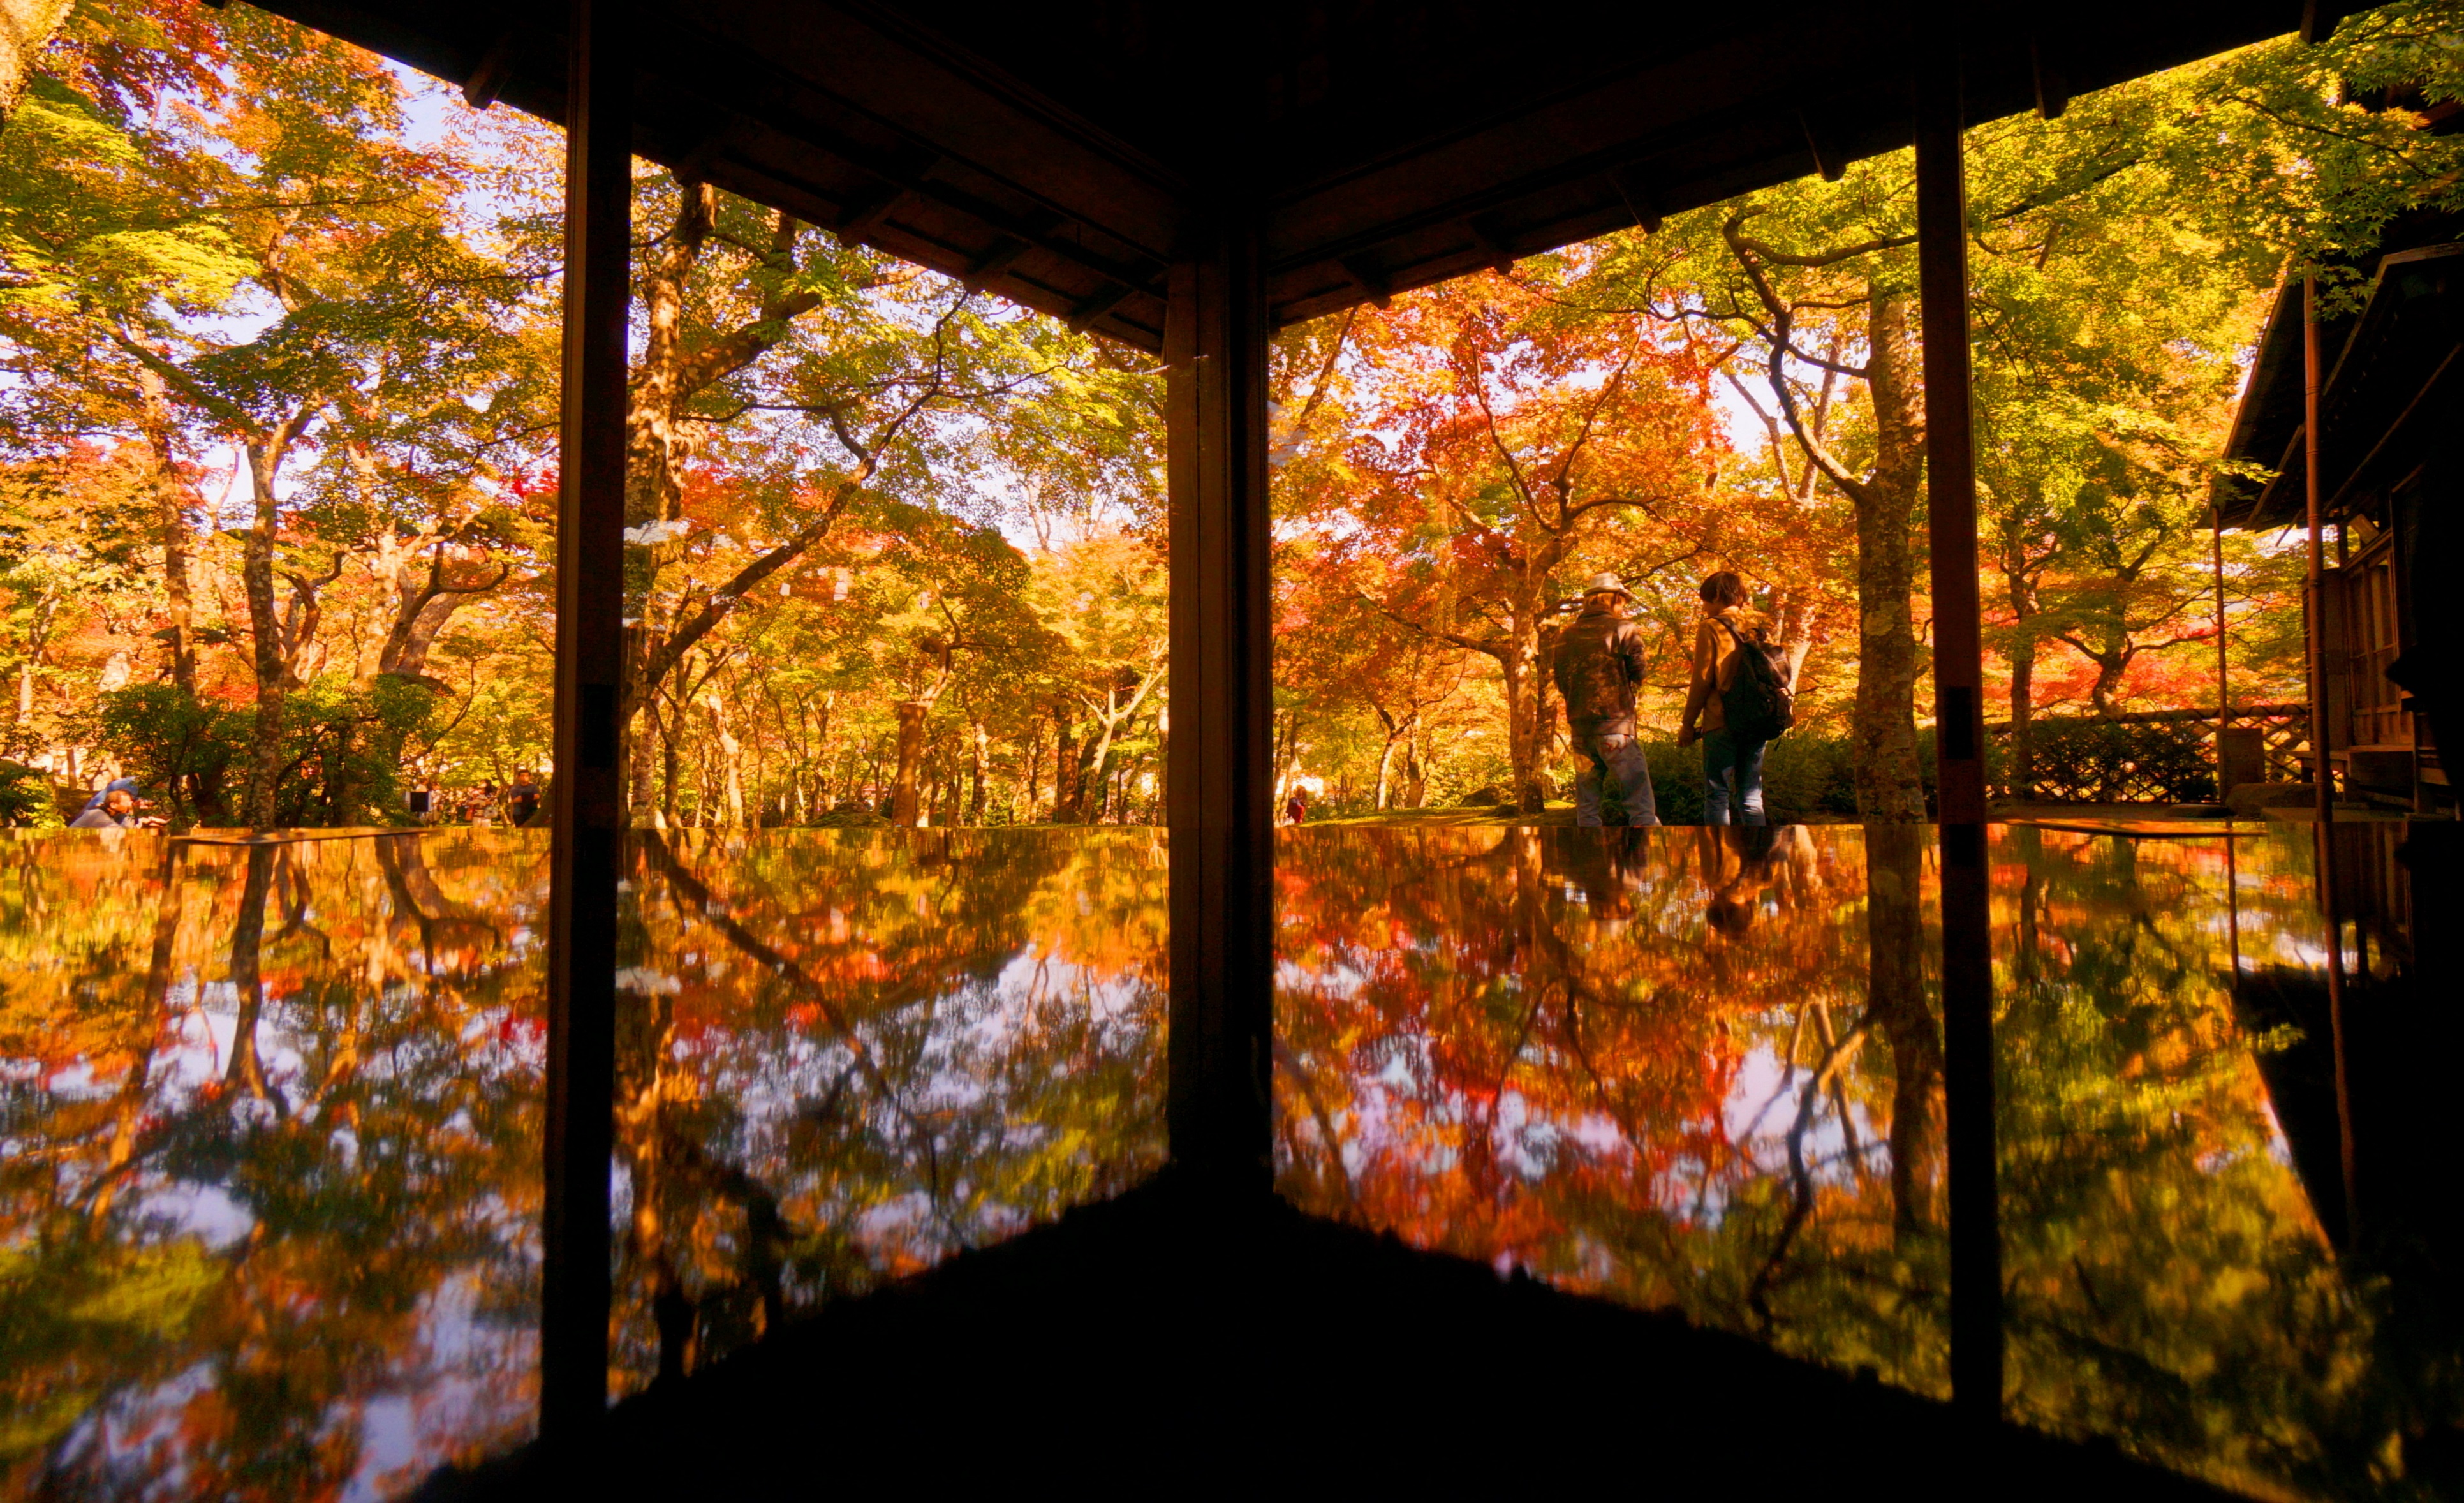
{"points": [[1759, 704]]}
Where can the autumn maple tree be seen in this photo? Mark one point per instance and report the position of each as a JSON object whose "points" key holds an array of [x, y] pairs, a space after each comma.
{"points": [[1496, 460]]}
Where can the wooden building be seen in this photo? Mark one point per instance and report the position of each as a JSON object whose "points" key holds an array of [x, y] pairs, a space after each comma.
{"points": [[2390, 465], [1187, 178]]}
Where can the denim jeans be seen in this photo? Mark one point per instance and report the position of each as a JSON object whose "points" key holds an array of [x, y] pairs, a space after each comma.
{"points": [[1723, 754], [1625, 764]]}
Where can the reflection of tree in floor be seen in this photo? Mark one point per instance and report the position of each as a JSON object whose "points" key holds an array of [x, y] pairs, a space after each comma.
{"points": [[831, 1070]]}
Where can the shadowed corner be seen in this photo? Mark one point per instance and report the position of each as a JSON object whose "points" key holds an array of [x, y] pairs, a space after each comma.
{"points": [[1192, 1336]]}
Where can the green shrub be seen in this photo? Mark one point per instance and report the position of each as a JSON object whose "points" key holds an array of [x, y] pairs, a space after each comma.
{"points": [[1806, 777], [1676, 781], [191, 753], [341, 753], [26, 801]]}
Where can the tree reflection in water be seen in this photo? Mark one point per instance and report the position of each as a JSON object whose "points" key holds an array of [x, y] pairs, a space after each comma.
{"points": [[271, 1184], [271, 1187], [1668, 1067], [842, 1057]]}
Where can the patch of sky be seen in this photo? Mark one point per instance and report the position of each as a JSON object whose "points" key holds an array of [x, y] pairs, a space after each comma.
{"points": [[207, 1212]]}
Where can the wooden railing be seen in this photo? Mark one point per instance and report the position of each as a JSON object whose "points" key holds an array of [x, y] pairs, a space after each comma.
{"points": [[2143, 756]]}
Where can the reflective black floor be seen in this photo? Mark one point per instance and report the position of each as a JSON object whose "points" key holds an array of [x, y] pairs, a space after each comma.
{"points": [[266, 1212]]}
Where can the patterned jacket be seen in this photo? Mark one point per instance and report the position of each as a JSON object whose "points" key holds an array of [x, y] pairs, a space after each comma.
{"points": [[1599, 661]]}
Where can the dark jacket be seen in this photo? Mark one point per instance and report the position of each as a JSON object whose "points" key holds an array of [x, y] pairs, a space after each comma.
{"points": [[1599, 661], [101, 819]]}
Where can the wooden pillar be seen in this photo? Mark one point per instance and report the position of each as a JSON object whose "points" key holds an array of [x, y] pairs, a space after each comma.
{"points": [[2322, 785], [1218, 775], [2224, 664], [589, 801], [1959, 728]]}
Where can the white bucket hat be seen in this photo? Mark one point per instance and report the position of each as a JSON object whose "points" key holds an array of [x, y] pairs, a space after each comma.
{"points": [[1606, 584]]}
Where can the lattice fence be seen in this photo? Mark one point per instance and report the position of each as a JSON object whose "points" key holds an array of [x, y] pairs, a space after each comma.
{"points": [[2146, 756]]}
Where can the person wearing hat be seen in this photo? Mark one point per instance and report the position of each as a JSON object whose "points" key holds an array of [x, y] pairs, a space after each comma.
{"points": [[114, 809], [1598, 663], [127, 786]]}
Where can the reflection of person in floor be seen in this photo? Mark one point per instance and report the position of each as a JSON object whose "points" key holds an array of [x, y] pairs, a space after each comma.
{"points": [[1743, 865], [1609, 872]]}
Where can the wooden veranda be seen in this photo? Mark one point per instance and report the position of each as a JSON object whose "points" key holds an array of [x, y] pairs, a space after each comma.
{"points": [[1186, 179]]}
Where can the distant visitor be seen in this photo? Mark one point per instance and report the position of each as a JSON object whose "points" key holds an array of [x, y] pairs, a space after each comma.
{"points": [[1599, 662], [1742, 696]]}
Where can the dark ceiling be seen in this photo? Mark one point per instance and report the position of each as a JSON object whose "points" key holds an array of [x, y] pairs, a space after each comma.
{"points": [[1053, 153]]}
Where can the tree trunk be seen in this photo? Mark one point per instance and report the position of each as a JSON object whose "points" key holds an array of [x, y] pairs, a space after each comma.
{"points": [[1415, 773], [1287, 756], [38, 636], [425, 599], [1117, 714], [246, 1066], [904, 804], [731, 759], [654, 444], [1032, 767], [171, 524], [2023, 716], [26, 27], [1086, 784], [2110, 665], [980, 748], [265, 632], [659, 442], [1065, 766], [1524, 707], [1895, 999], [1882, 733], [663, 814]]}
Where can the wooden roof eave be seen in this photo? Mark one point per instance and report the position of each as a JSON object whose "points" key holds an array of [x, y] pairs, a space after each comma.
{"points": [[862, 115], [2379, 358], [1654, 155], [869, 182]]}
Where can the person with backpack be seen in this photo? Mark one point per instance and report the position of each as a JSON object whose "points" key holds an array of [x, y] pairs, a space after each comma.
{"points": [[1598, 662], [1743, 696]]}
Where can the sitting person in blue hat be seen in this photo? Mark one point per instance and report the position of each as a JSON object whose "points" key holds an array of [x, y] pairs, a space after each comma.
{"points": [[115, 808]]}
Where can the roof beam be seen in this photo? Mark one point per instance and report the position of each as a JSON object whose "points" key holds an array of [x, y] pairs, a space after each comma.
{"points": [[758, 95], [694, 165], [1830, 157], [996, 259], [862, 214], [2340, 503], [1642, 199], [489, 75], [1104, 302], [1491, 240], [1361, 275], [2053, 84]]}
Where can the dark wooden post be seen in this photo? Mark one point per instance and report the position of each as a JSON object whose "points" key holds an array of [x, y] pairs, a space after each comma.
{"points": [[2322, 785], [2224, 664], [1219, 778], [1959, 728], [588, 813]]}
